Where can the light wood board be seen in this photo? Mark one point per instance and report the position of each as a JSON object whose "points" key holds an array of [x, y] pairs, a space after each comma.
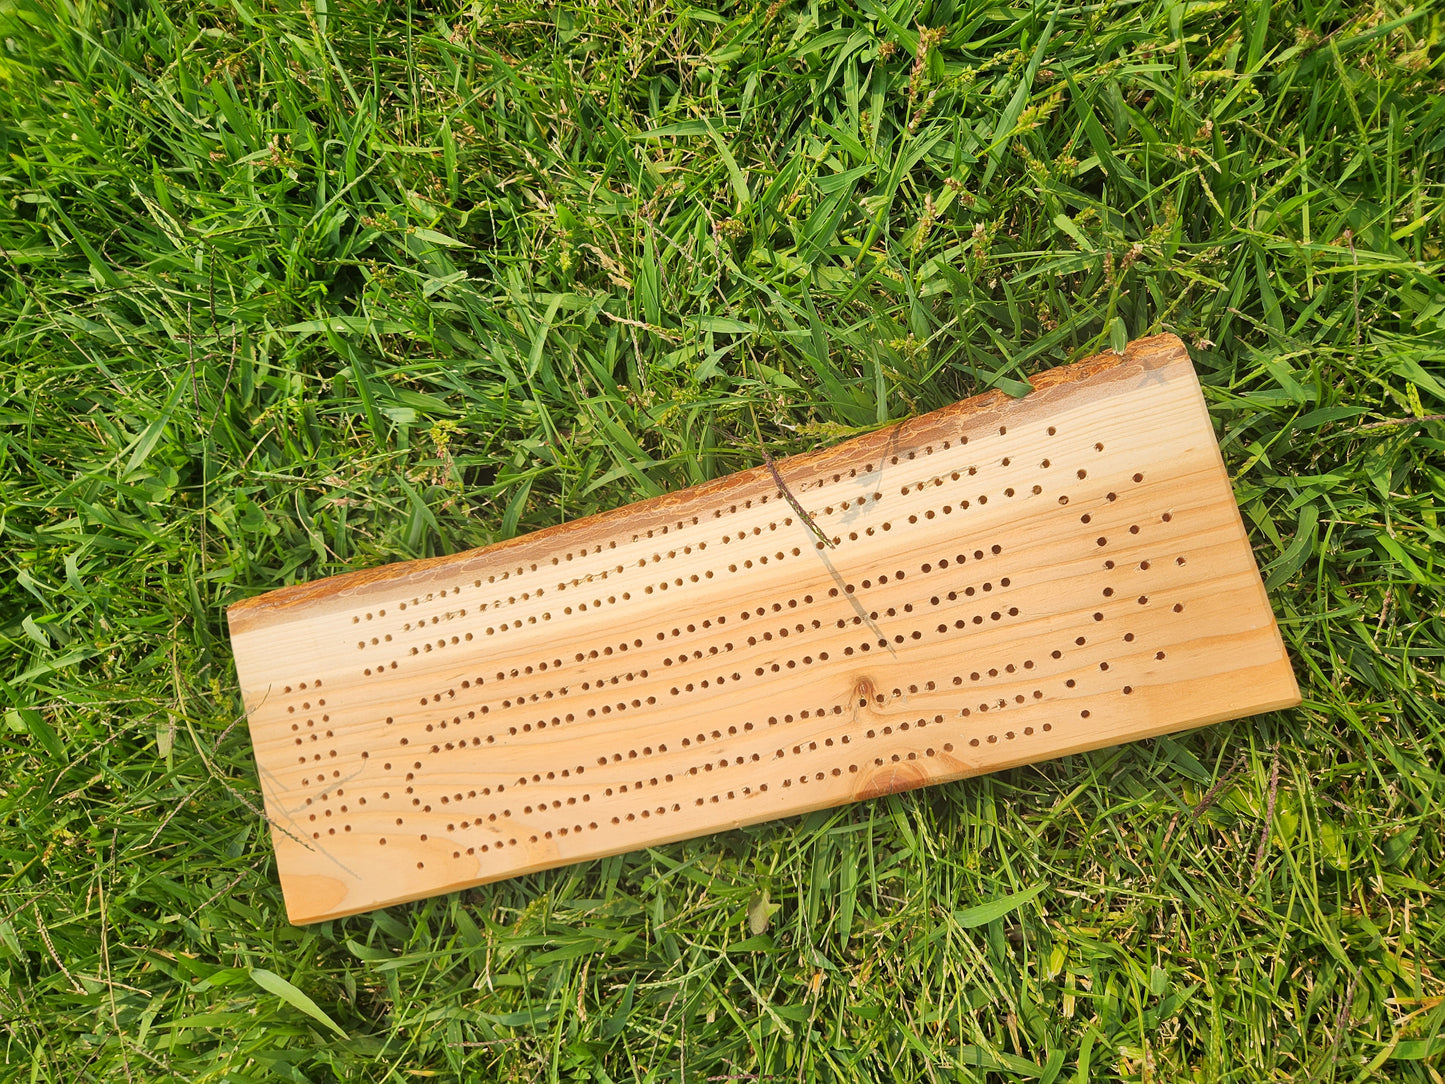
{"points": [[1011, 580]]}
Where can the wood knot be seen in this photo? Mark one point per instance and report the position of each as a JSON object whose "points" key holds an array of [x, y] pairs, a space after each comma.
{"points": [[891, 779], [865, 691]]}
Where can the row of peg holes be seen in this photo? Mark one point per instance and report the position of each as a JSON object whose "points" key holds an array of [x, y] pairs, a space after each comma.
{"points": [[1104, 666], [542, 724], [990, 738], [746, 790], [746, 615], [606, 709], [837, 709], [532, 619], [868, 469], [957, 680], [870, 733], [304, 707], [1178, 607]]}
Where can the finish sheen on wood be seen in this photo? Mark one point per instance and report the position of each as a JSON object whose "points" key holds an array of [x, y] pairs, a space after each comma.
{"points": [[1010, 580]]}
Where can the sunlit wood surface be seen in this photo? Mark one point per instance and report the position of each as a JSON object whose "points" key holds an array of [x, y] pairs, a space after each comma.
{"points": [[1009, 580]]}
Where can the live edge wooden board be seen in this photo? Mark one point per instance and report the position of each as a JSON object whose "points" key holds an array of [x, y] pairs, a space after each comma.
{"points": [[1009, 580]]}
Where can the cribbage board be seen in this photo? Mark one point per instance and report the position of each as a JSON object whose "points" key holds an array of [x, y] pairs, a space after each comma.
{"points": [[1005, 581]]}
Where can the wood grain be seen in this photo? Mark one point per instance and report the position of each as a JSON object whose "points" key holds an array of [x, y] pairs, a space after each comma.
{"points": [[1011, 580]]}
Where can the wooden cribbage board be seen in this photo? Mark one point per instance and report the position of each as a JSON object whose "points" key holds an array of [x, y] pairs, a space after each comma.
{"points": [[1011, 580]]}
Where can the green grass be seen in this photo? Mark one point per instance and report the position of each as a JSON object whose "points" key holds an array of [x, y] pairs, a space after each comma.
{"points": [[289, 290]]}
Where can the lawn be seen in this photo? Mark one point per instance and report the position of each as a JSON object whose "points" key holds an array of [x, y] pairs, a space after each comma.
{"points": [[289, 289]]}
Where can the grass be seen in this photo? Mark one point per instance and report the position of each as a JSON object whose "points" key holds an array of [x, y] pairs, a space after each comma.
{"points": [[289, 290]]}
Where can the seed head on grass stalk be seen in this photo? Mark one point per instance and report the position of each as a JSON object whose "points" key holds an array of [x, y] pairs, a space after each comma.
{"points": [[927, 39]]}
